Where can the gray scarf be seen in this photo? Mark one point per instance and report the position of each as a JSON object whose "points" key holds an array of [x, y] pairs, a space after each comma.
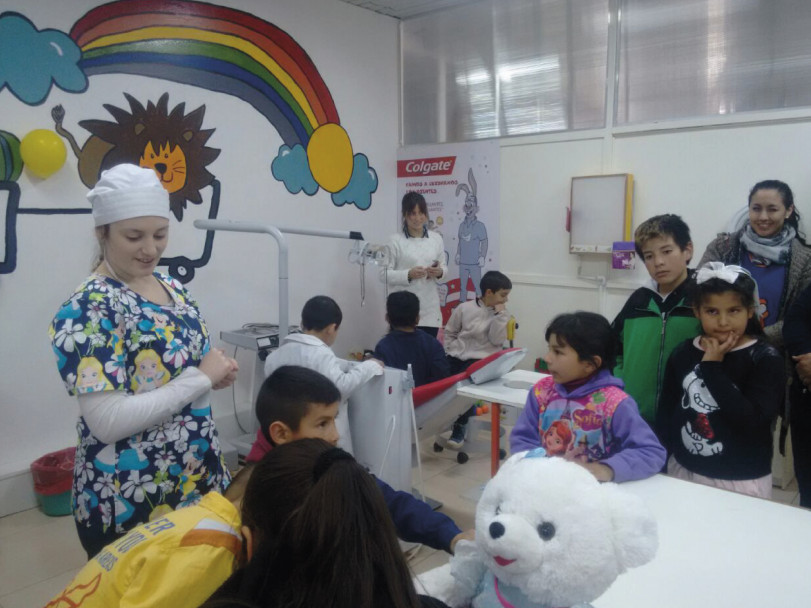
{"points": [[769, 250]]}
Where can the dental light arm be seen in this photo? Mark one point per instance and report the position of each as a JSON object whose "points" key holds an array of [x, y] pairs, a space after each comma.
{"points": [[277, 233]]}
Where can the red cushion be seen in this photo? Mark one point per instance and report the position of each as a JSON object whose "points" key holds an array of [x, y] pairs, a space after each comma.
{"points": [[426, 392], [482, 362]]}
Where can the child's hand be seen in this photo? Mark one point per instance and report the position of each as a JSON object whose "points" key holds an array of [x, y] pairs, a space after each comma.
{"points": [[601, 471], [715, 350], [418, 272], [500, 307], [466, 535]]}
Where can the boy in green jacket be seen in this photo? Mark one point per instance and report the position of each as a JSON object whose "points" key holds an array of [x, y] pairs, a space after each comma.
{"points": [[656, 317]]}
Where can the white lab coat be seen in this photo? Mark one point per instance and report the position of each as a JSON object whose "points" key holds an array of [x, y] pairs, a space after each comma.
{"points": [[311, 352], [407, 253]]}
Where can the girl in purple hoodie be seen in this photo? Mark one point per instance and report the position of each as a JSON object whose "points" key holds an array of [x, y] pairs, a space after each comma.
{"points": [[580, 411]]}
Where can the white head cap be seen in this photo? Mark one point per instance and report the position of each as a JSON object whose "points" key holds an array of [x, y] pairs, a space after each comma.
{"points": [[127, 191]]}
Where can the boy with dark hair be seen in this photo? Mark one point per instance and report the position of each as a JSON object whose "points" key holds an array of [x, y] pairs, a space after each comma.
{"points": [[320, 320], [320, 312], [279, 406], [405, 343], [297, 403], [656, 317], [477, 329], [494, 281]]}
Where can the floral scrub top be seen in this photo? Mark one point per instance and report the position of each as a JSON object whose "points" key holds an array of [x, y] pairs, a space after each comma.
{"points": [[107, 337]]}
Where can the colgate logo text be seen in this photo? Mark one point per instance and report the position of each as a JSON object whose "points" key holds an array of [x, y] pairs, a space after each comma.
{"points": [[426, 166]]}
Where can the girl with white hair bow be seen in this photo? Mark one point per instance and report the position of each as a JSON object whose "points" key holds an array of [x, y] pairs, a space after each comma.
{"points": [[723, 389], [132, 347]]}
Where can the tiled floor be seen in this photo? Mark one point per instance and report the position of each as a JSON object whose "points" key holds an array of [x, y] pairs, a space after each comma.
{"points": [[39, 555]]}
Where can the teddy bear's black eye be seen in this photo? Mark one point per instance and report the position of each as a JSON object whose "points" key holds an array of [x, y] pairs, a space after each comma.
{"points": [[546, 530]]}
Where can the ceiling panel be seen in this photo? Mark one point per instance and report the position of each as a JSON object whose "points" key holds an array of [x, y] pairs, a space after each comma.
{"points": [[404, 9]]}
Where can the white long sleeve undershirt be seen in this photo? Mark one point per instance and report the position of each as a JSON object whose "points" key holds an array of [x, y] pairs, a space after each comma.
{"points": [[115, 415]]}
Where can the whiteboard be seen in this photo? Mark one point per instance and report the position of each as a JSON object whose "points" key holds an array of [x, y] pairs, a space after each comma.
{"points": [[600, 212]]}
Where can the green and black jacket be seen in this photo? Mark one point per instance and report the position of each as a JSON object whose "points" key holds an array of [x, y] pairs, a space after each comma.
{"points": [[649, 328]]}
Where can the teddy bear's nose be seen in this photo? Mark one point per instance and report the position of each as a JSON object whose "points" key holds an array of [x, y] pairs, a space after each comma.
{"points": [[496, 529]]}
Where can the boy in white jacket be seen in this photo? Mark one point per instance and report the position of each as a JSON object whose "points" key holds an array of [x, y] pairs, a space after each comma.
{"points": [[320, 320]]}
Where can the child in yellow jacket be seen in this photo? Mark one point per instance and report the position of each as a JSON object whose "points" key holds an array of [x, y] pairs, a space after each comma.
{"points": [[177, 560]]}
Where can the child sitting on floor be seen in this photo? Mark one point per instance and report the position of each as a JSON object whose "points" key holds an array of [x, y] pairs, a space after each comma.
{"points": [[406, 344], [581, 412], [297, 403]]}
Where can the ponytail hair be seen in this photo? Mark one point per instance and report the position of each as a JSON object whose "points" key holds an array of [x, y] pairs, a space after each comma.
{"points": [[323, 532], [343, 526]]}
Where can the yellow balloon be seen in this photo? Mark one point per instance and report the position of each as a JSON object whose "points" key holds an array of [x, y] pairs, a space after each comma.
{"points": [[43, 152], [330, 156]]}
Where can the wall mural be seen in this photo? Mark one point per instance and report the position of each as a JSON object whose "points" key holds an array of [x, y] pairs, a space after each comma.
{"points": [[171, 143], [204, 45]]}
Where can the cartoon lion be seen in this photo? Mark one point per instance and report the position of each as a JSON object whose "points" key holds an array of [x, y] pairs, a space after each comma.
{"points": [[171, 143]]}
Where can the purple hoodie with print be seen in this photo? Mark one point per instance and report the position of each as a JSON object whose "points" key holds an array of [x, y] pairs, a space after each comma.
{"points": [[595, 421]]}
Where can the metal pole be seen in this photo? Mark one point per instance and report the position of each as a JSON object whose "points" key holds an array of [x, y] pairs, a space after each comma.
{"points": [[276, 233], [232, 226]]}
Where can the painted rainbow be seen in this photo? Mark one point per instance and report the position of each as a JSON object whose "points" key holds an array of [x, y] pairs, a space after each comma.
{"points": [[213, 47]]}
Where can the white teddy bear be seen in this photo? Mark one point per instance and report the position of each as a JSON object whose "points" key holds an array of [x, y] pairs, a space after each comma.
{"points": [[548, 534]]}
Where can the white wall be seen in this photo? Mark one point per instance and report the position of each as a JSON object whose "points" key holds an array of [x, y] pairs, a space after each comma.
{"points": [[356, 53], [702, 173]]}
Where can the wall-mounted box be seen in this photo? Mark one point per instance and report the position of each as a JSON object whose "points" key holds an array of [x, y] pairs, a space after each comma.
{"points": [[600, 212]]}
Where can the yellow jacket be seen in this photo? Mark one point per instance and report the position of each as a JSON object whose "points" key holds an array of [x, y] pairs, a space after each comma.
{"points": [[178, 560]]}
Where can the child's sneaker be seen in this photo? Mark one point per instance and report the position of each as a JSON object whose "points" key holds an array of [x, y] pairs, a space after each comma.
{"points": [[457, 438]]}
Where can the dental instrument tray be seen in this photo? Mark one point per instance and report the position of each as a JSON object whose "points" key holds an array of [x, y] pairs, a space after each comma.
{"points": [[255, 336]]}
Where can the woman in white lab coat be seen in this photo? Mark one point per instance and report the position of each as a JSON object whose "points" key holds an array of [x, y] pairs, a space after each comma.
{"points": [[417, 261]]}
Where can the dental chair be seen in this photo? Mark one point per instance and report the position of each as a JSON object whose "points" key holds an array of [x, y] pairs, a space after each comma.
{"points": [[437, 405], [382, 419]]}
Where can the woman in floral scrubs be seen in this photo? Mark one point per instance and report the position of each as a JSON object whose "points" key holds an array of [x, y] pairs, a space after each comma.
{"points": [[131, 345]]}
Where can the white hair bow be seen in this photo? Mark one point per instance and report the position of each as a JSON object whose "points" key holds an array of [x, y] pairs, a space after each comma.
{"points": [[719, 270], [729, 274]]}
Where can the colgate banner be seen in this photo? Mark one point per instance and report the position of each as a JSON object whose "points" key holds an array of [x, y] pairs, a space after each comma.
{"points": [[460, 183], [425, 166]]}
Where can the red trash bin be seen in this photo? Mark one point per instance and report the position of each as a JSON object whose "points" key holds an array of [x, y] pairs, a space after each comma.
{"points": [[53, 479]]}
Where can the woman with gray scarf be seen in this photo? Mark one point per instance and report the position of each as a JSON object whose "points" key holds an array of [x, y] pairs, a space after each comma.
{"points": [[771, 247]]}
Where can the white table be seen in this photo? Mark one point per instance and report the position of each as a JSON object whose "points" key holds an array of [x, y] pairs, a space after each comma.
{"points": [[510, 390], [717, 549]]}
